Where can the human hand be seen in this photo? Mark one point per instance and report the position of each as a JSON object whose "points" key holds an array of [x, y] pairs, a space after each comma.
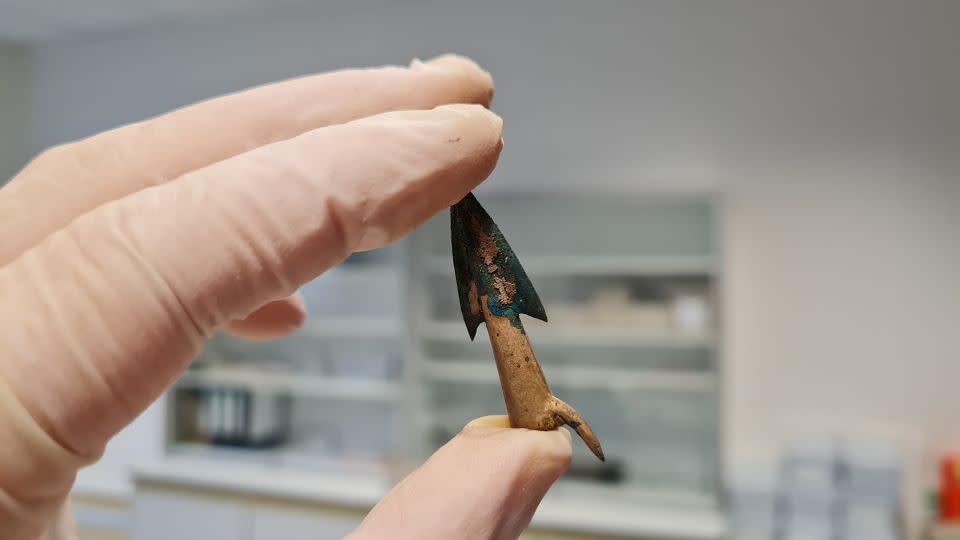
{"points": [[124, 251]]}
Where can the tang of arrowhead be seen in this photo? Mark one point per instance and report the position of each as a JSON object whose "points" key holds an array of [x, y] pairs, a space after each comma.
{"points": [[485, 265]]}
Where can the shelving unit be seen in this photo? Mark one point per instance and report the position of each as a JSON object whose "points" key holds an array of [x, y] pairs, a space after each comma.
{"points": [[383, 372], [615, 276]]}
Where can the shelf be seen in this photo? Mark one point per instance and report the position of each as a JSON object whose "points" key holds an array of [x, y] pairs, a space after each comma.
{"points": [[351, 328], [600, 265], [296, 456], [604, 510], [300, 384], [581, 336], [577, 377], [211, 471]]}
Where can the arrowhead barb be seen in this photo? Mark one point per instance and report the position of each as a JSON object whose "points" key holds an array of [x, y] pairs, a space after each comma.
{"points": [[485, 265]]}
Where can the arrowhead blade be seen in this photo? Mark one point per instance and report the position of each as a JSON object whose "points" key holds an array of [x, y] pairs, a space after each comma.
{"points": [[485, 265], [462, 268]]}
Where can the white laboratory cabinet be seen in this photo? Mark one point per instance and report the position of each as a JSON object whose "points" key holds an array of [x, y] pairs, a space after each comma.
{"points": [[300, 438]]}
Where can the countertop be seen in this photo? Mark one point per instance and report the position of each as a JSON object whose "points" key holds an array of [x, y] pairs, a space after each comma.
{"points": [[566, 507]]}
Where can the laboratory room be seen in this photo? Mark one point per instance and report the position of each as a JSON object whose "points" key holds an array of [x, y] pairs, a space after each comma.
{"points": [[538, 269]]}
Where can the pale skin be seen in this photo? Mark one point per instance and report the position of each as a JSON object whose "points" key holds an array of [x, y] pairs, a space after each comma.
{"points": [[121, 253]]}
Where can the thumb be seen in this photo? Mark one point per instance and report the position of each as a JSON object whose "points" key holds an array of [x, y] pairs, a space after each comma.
{"points": [[485, 484]]}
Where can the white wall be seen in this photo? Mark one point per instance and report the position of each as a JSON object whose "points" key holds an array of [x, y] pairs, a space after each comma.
{"points": [[833, 127], [13, 109]]}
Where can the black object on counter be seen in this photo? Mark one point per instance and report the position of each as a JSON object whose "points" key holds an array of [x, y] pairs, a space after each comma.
{"points": [[244, 418]]}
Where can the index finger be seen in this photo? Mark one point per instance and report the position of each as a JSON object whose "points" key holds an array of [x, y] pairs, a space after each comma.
{"points": [[101, 317], [120, 162]]}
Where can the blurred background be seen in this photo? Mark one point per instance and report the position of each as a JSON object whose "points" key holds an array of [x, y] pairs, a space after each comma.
{"points": [[742, 217]]}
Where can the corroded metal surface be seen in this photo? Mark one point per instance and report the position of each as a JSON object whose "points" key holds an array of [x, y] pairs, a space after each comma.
{"points": [[485, 264], [494, 288]]}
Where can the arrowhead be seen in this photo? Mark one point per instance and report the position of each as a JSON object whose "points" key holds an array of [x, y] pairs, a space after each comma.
{"points": [[485, 265]]}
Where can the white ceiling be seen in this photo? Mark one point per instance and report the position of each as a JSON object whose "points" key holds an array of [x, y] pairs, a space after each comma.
{"points": [[31, 20], [41, 20]]}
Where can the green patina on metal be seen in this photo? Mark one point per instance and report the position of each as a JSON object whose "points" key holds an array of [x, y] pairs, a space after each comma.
{"points": [[485, 265]]}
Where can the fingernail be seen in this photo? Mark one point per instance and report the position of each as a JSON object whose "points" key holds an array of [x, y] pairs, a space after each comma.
{"points": [[479, 112], [453, 63], [463, 68], [488, 421]]}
